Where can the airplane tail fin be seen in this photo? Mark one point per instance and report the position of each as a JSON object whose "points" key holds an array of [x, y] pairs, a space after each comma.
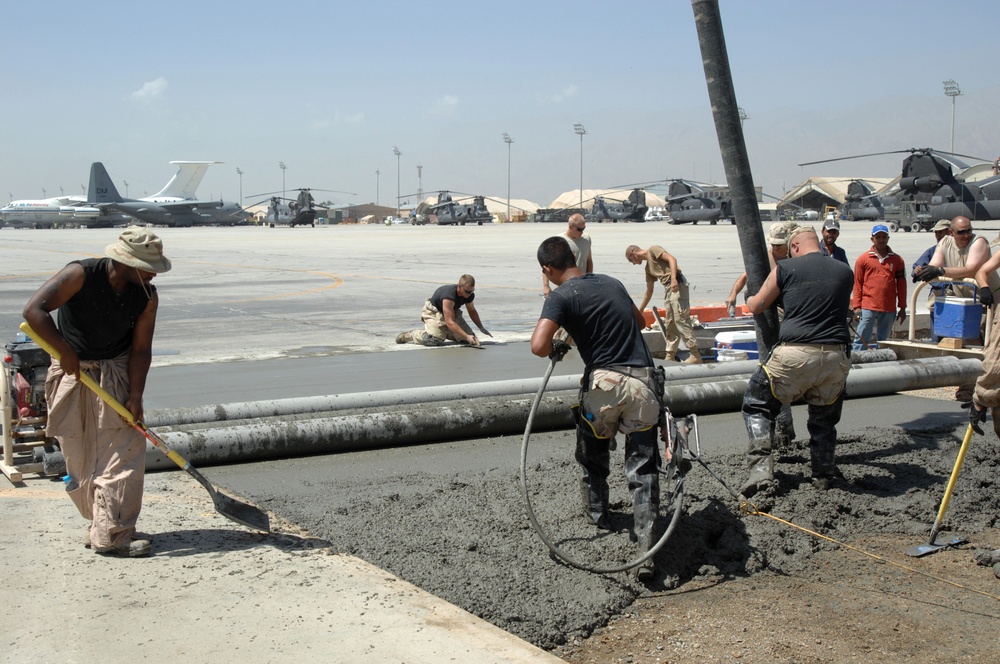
{"points": [[102, 189], [185, 182]]}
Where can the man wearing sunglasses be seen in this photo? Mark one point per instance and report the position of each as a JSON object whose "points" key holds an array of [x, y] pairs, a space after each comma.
{"points": [[960, 256], [579, 244], [443, 319]]}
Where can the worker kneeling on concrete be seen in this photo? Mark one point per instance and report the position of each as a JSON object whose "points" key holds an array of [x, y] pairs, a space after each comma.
{"points": [[443, 319], [810, 361], [618, 392]]}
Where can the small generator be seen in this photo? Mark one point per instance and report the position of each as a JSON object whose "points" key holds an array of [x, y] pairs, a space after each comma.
{"points": [[26, 449]]}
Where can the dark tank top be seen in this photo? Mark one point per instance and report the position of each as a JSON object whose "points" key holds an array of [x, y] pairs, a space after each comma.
{"points": [[816, 294], [97, 322]]}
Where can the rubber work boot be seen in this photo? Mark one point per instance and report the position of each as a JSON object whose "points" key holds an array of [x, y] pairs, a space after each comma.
{"points": [[822, 425], [693, 358], [646, 569], [760, 461], [784, 428], [595, 503], [136, 548], [594, 457], [641, 471]]}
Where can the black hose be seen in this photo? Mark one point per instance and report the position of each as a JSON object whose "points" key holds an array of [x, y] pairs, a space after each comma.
{"points": [[677, 496]]}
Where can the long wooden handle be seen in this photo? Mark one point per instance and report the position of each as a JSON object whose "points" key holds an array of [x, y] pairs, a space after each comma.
{"points": [[105, 396]]}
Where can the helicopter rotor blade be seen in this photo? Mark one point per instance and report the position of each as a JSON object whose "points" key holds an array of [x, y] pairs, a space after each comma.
{"points": [[858, 156]]}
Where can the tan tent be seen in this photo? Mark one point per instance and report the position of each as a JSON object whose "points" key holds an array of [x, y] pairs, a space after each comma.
{"points": [[816, 191]]}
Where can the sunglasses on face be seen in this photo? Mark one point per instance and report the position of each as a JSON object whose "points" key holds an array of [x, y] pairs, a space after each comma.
{"points": [[965, 232]]}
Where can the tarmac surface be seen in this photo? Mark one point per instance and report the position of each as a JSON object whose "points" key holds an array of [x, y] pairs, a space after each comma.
{"points": [[258, 313]]}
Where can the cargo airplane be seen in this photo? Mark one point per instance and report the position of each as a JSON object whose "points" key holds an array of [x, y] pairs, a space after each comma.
{"points": [[162, 209], [47, 212]]}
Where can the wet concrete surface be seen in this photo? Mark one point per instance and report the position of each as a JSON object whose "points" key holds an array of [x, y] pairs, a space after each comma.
{"points": [[268, 313], [450, 518]]}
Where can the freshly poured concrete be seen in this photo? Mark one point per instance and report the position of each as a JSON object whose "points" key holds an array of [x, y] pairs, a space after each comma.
{"points": [[446, 517]]}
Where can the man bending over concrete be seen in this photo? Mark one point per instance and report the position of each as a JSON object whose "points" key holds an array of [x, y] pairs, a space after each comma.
{"points": [[662, 267], [443, 319]]}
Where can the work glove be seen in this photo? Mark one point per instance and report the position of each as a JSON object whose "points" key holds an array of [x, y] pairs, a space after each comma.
{"points": [[976, 416], [929, 273], [559, 350], [986, 296]]}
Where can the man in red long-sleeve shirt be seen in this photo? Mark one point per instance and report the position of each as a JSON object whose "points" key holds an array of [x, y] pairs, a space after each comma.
{"points": [[879, 289]]}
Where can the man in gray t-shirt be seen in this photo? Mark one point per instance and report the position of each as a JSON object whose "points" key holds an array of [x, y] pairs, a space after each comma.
{"points": [[579, 244]]}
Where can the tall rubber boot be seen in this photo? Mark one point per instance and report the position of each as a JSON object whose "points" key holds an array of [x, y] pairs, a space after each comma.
{"points": [[822, 425], [592, 453], [760, 457], [784, 428], [760, 409], [641, 471]]}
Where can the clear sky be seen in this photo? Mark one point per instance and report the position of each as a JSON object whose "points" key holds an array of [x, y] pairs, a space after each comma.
{"points": [[329, 88]]}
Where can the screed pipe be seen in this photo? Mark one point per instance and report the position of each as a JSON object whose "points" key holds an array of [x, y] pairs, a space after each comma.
{"points": [[274, 437], [386, 398]]}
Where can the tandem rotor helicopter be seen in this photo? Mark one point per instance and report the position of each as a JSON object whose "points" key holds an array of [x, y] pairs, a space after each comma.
{"points": [[688, 202], [450, 211], [299, 211], [607, 208], [928, 189]]}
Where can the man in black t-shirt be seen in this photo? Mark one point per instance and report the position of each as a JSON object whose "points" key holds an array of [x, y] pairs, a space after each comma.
{"points": [[810, 361], [618, 392], [443, 319]]}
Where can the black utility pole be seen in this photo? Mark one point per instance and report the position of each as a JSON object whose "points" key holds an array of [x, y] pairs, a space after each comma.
{"points": [[725, 111]]}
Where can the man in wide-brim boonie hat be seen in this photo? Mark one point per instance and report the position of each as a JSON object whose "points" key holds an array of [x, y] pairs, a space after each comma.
{"points": [[140, 248]]}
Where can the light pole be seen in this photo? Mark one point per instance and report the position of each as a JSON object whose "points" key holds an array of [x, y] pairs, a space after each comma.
{"points": [[43, 192], [743, 114], [282, 166], [239, 171], [126, 188], [508, 140], [377, 174], [396, 152], [578, 128], [951, 90]]}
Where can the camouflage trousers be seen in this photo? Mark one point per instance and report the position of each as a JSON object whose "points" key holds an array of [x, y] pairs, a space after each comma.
{"points": [[988, 384], [617, 401], [436, 327]]}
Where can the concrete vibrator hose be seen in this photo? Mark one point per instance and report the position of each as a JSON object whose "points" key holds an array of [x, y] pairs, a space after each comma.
{"points": [[676, 495]]}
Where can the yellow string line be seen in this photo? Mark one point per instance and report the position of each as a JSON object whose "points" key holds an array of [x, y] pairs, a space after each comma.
{"points": [[751, 509]]}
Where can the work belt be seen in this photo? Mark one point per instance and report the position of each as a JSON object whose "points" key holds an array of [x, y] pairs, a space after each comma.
{"points": [[642, 373], [645, 374]]}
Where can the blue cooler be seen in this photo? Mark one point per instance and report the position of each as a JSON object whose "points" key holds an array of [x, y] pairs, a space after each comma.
{"points": [[957, 317], [742, 340]]}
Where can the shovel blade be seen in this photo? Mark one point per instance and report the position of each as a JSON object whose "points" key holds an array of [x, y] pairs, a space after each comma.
{"points": [[242, 513], [927, 549]]}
